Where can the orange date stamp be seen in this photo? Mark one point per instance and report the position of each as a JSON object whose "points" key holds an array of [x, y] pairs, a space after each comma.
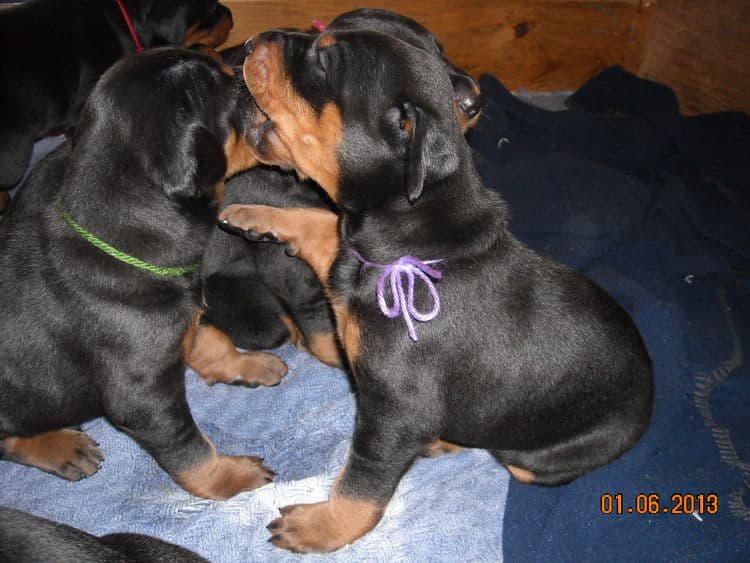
{"points": [[653, 503]]}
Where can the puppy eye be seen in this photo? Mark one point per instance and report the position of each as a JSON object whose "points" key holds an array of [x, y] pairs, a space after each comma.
{"points": [[398, 127], [406, 118]]}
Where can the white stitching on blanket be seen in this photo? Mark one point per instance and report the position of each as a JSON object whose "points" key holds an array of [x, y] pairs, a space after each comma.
{"points": [[705, 385]]}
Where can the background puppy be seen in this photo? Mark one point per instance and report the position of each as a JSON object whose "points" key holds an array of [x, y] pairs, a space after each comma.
{"points": [[254, 293], [53, 51], [96, 289], [506, 349], [42, 184], [25, 538]]}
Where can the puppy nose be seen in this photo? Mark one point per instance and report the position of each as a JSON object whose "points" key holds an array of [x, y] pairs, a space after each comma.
{"points": [[249, 46], [471, 106]]}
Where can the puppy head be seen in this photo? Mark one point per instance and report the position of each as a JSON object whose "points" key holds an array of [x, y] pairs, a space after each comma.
{"points": [[211, 25], [172, 118], [183, 22], [367, 116], [467, 100]]}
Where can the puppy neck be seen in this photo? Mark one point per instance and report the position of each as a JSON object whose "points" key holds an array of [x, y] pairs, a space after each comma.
{"points": [[456, 217], [131, 213]]}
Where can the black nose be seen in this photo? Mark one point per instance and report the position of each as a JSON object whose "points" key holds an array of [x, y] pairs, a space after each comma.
{"points": [[249, 46], [472, 105]]}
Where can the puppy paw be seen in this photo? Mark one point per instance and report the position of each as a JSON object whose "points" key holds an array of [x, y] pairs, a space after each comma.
{"points": [[251, 473], [67, 453], [224, 476], [300, 529], [250, 221], [323, 526], [440, 448], [259, 368], [78, 457], [256, 223], [251, 369]]}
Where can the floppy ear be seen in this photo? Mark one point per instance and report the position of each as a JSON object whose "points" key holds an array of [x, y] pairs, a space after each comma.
{"points": [[194, 165], [430, 156]]}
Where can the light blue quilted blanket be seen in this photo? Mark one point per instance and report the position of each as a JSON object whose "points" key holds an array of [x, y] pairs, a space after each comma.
{"points": [[450, 508]]}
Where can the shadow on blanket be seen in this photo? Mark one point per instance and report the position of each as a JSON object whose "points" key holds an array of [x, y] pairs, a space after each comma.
{"points": [[654, 207]]}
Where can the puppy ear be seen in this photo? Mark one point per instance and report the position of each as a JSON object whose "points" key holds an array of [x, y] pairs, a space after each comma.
{"points": [[194, 165], [430, 157]]}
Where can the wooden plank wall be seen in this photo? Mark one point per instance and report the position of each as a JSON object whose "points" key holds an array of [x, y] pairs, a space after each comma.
{"points": [[702, 50], [699, 48], [540, 45]]}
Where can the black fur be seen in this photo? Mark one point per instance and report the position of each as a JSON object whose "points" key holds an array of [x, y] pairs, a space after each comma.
{"points": [[527, 358], [247, 288], [52, 52], [465, 90], [82, 334], [25, 538], [43, 183]]}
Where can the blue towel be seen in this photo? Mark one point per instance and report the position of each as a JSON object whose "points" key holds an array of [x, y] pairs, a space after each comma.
{"points": [[302, 429]]}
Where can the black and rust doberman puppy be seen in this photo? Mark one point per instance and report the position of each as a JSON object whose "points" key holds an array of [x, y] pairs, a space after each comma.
{"points": [[25, 538], [52, 52], [454, 329], [255, 296], [97, 290], [467, 99]]}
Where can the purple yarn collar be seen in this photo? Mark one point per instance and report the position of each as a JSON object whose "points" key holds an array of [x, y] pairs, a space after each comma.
{"points": [[403, 298]]}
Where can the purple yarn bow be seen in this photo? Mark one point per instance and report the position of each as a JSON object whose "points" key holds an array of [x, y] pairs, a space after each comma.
{"points": [[403, 298]]}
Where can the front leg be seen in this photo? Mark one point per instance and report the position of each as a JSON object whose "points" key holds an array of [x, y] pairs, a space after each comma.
{"points": [[310, 233], [156, 414], [388, 438], [212, 354], [325, 526], [313, 235]]}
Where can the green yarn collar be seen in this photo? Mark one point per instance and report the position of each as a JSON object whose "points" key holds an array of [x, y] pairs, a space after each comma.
{"points": [[121, 256]]}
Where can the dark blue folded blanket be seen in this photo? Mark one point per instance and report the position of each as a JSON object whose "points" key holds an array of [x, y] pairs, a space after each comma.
{"points": [[655, 207]]}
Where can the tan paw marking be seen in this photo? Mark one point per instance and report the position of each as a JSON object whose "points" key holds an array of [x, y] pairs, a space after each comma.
{"points": [[67, 453]]}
